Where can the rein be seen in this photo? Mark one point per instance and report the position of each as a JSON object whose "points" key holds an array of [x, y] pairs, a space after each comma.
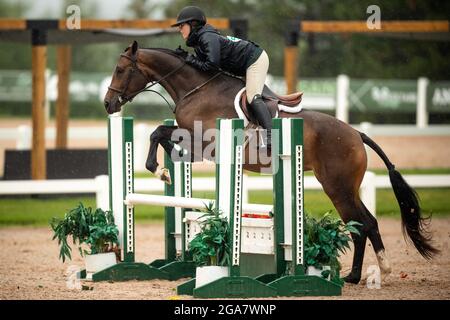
{"points": [[201, 85], [128, 98]]}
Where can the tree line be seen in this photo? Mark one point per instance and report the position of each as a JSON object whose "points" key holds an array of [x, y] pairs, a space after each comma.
{"points": [[358, 55]]}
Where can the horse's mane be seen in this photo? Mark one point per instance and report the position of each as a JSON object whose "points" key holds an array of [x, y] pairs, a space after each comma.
{"points": [[166, 50], [181, 57]]}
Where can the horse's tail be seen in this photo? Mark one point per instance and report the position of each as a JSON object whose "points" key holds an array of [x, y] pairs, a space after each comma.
{"points": [[413, 224]]}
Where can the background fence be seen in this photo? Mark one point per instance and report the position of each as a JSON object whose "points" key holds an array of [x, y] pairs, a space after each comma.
{"points": [[100, 186], [341, 95]]}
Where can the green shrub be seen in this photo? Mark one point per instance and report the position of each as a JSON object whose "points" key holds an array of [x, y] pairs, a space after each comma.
{"points": [[210, 247], [96, 229], [325, 240]]}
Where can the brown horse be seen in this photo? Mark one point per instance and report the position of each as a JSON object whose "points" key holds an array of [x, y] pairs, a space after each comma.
{"points": [[333, 149]]}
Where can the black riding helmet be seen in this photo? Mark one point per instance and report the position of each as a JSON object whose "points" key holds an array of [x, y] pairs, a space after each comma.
{"points": [[190, 13]]}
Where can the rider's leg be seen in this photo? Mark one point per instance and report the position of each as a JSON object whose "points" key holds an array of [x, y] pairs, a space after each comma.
{"points": [[255, 79], [264, 117]]}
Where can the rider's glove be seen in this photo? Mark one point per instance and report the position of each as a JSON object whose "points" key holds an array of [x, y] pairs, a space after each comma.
{"points": [[190, 58], [181, 52]]}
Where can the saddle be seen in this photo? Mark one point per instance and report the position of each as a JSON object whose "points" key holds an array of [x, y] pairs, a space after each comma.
{"points": [[287, 103]]}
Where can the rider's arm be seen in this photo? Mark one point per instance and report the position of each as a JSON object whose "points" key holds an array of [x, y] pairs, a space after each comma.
{"points": [[209, 42]]}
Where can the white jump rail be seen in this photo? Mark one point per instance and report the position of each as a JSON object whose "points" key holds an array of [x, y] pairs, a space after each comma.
{"points": [[193, 203]]}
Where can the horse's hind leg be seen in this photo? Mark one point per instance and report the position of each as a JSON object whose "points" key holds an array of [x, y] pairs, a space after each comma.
{"points": [[351, 208], [341, 184]]}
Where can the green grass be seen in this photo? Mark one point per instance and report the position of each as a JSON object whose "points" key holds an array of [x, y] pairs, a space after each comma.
{"points": [[435, 201], [28, 211], [38, 212]]}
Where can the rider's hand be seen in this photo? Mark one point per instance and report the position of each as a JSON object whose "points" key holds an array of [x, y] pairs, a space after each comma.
{"points": [[190, 58], [181, 52]]}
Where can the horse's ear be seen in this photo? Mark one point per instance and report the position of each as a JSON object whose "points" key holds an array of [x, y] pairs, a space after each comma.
{"points": [[134, 48]]}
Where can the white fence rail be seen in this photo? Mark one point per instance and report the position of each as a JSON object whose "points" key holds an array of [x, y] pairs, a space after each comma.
{"points": [[100, 186], [22, 135]]}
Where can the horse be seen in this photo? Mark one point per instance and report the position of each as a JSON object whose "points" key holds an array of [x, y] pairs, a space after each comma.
{"points": [[333, 150]]}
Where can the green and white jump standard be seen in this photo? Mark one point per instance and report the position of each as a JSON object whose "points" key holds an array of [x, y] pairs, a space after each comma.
{"points": [[284, 252]]}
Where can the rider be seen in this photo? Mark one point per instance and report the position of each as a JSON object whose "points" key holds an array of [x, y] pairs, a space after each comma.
{"points": [[236, 56]]}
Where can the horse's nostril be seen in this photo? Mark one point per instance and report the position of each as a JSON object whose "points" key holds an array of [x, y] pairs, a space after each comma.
{"points": [[106, 104]]}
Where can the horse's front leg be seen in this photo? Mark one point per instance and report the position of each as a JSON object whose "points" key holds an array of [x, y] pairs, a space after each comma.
{"points": [[162, 135]]}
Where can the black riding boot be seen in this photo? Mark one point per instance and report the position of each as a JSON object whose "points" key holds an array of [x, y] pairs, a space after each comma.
{"points": [[262, 114]]}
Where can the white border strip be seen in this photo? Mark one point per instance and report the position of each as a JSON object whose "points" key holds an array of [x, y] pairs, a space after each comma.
{"points": [[237, 205], [299, 202], [117, 174], [129, 190], [225, 158], [287, 187]]}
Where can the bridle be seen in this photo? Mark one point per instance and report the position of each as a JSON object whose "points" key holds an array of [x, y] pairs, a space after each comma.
{"points": [[134, 68], [123, 98]]}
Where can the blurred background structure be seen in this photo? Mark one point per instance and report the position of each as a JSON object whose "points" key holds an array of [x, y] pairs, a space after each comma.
{"points": [[368, 59]]}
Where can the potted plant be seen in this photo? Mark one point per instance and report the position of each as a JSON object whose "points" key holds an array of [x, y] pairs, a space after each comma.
{"points": [[210, 249], [93, 231], [325, 240]]}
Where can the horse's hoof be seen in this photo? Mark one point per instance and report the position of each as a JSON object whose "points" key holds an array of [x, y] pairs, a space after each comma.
{"points": [[151, 167], [352, 279], [164, 175], [263, 151], [383, 263]]}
